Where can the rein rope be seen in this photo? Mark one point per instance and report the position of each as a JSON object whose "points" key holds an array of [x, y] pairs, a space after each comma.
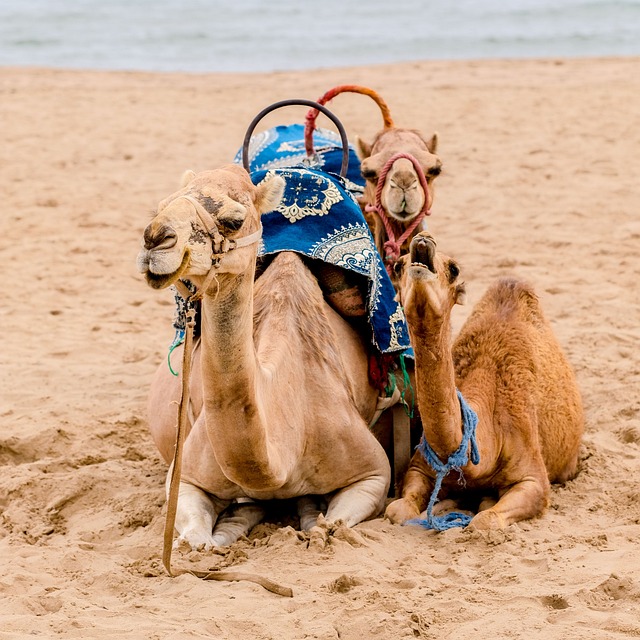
{"points": [[220, 247], [392, 246], [458, 459]]}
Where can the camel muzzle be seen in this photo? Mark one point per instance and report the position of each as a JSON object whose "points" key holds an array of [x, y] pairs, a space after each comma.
{"points": [[163, 238], [423, 252]]}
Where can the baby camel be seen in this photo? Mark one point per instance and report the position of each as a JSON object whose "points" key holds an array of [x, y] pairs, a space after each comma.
{"points": [[510, 369]]}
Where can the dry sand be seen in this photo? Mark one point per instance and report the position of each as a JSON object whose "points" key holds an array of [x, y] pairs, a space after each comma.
{"points": [[541, 172]]}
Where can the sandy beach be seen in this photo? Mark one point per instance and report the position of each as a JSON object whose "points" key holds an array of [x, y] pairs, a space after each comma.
{"points": [[541, 159]]}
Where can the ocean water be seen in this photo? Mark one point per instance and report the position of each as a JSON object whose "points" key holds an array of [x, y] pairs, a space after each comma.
{"points": [[256, 35]]}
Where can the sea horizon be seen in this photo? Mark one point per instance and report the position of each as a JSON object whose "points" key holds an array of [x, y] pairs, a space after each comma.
{"points": [[253, 36]]}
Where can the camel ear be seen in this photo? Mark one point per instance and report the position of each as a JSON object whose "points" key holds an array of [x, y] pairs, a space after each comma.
{"points": [[461, 294], [363, 149], [187, 177], [269, 193], [432, 145]]}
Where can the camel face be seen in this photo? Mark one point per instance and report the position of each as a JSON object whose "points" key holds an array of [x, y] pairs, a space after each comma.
{"points": [[212, 208], [402, 196], [427, 280]]}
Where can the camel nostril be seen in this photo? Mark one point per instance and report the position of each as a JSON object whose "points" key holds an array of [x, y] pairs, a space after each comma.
{"points": [[163, 238]]}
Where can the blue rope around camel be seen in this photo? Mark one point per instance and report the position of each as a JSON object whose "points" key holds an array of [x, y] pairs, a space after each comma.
{"points": [[456, 461]]}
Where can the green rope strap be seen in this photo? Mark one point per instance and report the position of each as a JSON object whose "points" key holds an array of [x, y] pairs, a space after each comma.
{"points": [[406, 386], [177, 341]]}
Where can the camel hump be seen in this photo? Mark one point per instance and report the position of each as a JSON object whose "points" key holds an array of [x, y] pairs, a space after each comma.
{"points": [[511, 296]]}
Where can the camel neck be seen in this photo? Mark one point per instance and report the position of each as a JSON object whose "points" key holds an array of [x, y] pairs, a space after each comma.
{"points": [[229, 373], [436, 387], [227, 313]]}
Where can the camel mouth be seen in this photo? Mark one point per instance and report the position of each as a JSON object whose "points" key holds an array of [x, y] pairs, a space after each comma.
{"points": [[422, 254], [163, 280], [403, 216]]}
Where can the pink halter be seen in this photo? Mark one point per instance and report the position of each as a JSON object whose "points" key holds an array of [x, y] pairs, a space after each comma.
{"points": [[392, 246]]}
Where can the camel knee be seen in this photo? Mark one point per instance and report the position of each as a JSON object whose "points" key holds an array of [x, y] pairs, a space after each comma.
{"points": [[523, 500], [399, 511]]}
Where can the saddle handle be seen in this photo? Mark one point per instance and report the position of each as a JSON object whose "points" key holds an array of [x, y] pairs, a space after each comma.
{"points": [[312, 114], [304, 103]]}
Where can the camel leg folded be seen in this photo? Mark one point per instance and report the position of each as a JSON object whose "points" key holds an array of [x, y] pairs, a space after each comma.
{"points": [[360, 500], [196, 516], [309, 508], [416, 490], [237, 521], [525, 499]]}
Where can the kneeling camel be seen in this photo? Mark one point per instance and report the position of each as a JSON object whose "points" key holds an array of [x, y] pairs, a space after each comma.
{"points": [[510, 369], [282, 378]]}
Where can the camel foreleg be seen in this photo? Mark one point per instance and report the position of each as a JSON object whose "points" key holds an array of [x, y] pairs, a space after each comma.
{"points": [[416, 489], [237, 521], [309, 508], [521, 501], [196, 515], [358, 501]]}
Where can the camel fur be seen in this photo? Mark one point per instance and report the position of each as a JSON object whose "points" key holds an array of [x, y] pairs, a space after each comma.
{"points": [[280, 381], [512, 372]]}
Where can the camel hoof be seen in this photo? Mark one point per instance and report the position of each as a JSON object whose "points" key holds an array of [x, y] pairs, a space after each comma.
{"points": [[318, 538], [399, 511], [487, 521], [195, 541], [444, 506]]}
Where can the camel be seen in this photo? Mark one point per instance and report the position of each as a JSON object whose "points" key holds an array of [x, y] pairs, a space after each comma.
{"points": [[510, 369], [399, 168], [281, 391]]}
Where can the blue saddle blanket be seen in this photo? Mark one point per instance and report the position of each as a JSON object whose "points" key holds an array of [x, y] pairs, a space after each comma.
{"points": [[283, 147], [319, 218]]}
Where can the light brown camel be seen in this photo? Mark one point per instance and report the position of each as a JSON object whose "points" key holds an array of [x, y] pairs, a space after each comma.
{"points": [[510, 369], [282, 379], [402, 197]]}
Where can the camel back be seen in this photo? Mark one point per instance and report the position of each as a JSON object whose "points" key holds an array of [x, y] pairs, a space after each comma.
{"points": [[319, 218]]}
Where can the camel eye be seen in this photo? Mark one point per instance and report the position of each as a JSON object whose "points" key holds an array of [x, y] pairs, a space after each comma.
{"points": [[434, 171], [232, 218], [398, 266], [369, 174], [454, 271]]}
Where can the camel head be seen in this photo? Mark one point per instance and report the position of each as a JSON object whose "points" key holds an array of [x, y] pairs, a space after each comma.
{"points": [[201, 224], [402, 195], [427, 280]]}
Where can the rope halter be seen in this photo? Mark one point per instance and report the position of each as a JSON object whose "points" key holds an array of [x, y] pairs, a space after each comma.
{"points": [[219, 244], [392, 246]]}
